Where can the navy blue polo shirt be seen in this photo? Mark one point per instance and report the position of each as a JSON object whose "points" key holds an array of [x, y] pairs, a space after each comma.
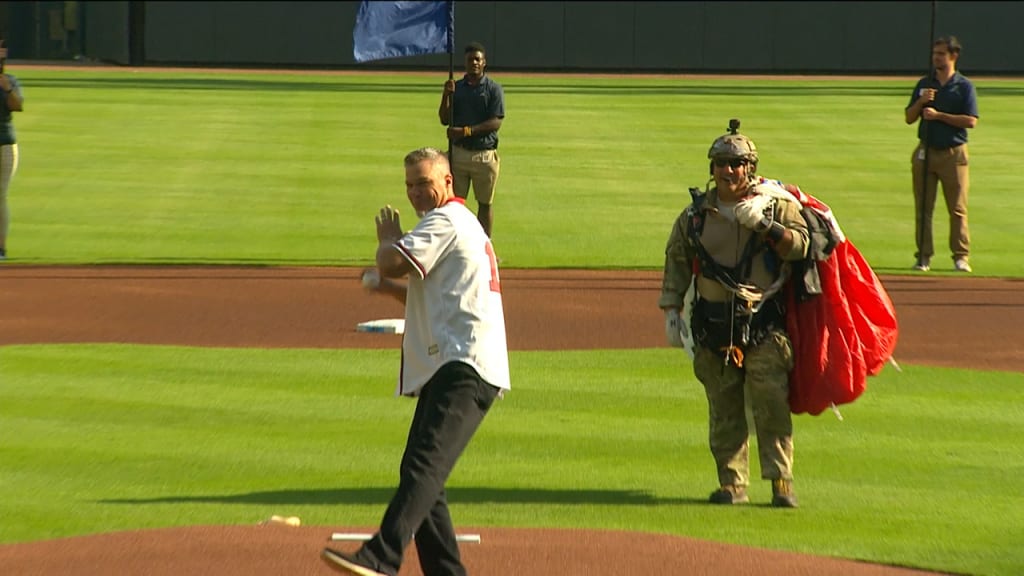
{"points": [[476, 103], [956, 97], [6, 125]]}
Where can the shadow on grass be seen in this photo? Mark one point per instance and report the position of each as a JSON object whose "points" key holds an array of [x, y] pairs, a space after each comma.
{"points": [[463, 495]]}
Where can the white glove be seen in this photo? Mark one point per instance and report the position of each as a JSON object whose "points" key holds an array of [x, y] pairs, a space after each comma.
{"points": [[750, 212], [674, 327], [774, 189]]}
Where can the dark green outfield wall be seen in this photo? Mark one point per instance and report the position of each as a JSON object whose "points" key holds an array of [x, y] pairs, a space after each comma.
{"points": [[766, 37]]}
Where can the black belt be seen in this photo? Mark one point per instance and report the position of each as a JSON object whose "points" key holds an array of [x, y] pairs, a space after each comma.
{"points": [[941, 149]]}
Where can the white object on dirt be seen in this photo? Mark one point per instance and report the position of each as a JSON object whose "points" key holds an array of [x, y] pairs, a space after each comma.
{"points": [[362, 537], [371, 279], [385, 326]]}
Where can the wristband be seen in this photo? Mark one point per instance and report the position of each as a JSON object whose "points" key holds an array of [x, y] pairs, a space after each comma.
{"points": [[776, 232], [467, 131]]}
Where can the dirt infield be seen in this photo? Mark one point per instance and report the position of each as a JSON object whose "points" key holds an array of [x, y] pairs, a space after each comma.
{"points": [[954, 322], [962, 321]]}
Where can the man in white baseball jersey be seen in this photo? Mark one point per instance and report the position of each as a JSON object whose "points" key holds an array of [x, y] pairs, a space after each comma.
{"points": [[454, 358]]}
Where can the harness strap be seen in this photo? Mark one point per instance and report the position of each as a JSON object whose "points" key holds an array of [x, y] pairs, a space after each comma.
{"points": [[711, 268]]}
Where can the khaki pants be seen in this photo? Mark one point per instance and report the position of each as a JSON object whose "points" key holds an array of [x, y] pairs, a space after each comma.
{"points": [[949, 167], [764, 381], [8, 166], [477, 167]]}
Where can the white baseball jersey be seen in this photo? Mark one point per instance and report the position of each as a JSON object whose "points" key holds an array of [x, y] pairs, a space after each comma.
{"points": [[453, 308]]}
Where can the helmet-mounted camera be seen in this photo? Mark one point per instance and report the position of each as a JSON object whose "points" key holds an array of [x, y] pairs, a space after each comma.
{"points": [[734, 145]]}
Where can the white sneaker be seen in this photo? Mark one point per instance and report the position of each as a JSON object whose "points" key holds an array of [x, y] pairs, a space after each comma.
{"points": [[923, 265], [961, 265]]}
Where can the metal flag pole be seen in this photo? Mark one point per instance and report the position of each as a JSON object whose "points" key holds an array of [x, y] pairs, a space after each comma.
{"points": [[451, 69], [924, 144]]}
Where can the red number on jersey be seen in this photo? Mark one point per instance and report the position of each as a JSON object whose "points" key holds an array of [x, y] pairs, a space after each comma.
{"points": [[495, 283]]}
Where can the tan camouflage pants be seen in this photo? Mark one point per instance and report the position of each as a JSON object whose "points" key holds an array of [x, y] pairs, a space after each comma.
{"points": [[764, 381]]}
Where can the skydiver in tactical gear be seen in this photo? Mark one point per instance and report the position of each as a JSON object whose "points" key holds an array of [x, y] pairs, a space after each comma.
{"points": [[732, 250]]}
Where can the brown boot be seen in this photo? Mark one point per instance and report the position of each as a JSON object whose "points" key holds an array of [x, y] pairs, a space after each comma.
{"points": [[729, 494], [782, 494]]}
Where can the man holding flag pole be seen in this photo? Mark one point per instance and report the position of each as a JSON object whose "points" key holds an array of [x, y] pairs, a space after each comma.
{"points": [[473, 109]]}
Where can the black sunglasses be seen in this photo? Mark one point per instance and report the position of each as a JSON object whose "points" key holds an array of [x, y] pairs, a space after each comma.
{"points": [[731, 162]]}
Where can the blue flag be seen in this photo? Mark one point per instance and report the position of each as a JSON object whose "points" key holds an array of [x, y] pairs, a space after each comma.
{"points": [[396, 29]]}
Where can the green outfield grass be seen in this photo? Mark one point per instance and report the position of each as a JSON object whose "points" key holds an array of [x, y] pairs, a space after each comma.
{"points": [[97, 438], [271, 169], [155, 167]]}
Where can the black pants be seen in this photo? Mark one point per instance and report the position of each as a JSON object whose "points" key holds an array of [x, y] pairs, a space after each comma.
{"points": [[449, 410]]}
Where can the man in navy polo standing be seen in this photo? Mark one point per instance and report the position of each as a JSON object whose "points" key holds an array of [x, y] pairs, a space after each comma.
{"points": [[472, 109], [947, 106]]}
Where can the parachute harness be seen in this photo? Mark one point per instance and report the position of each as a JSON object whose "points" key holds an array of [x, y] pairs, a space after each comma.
{"points": [[745, 300]]}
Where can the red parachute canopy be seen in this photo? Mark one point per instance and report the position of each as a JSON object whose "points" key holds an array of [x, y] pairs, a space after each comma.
{"points": [[843, 335]]}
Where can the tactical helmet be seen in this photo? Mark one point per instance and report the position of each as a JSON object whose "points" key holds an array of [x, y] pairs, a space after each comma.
{"points": [[733, 145]]}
